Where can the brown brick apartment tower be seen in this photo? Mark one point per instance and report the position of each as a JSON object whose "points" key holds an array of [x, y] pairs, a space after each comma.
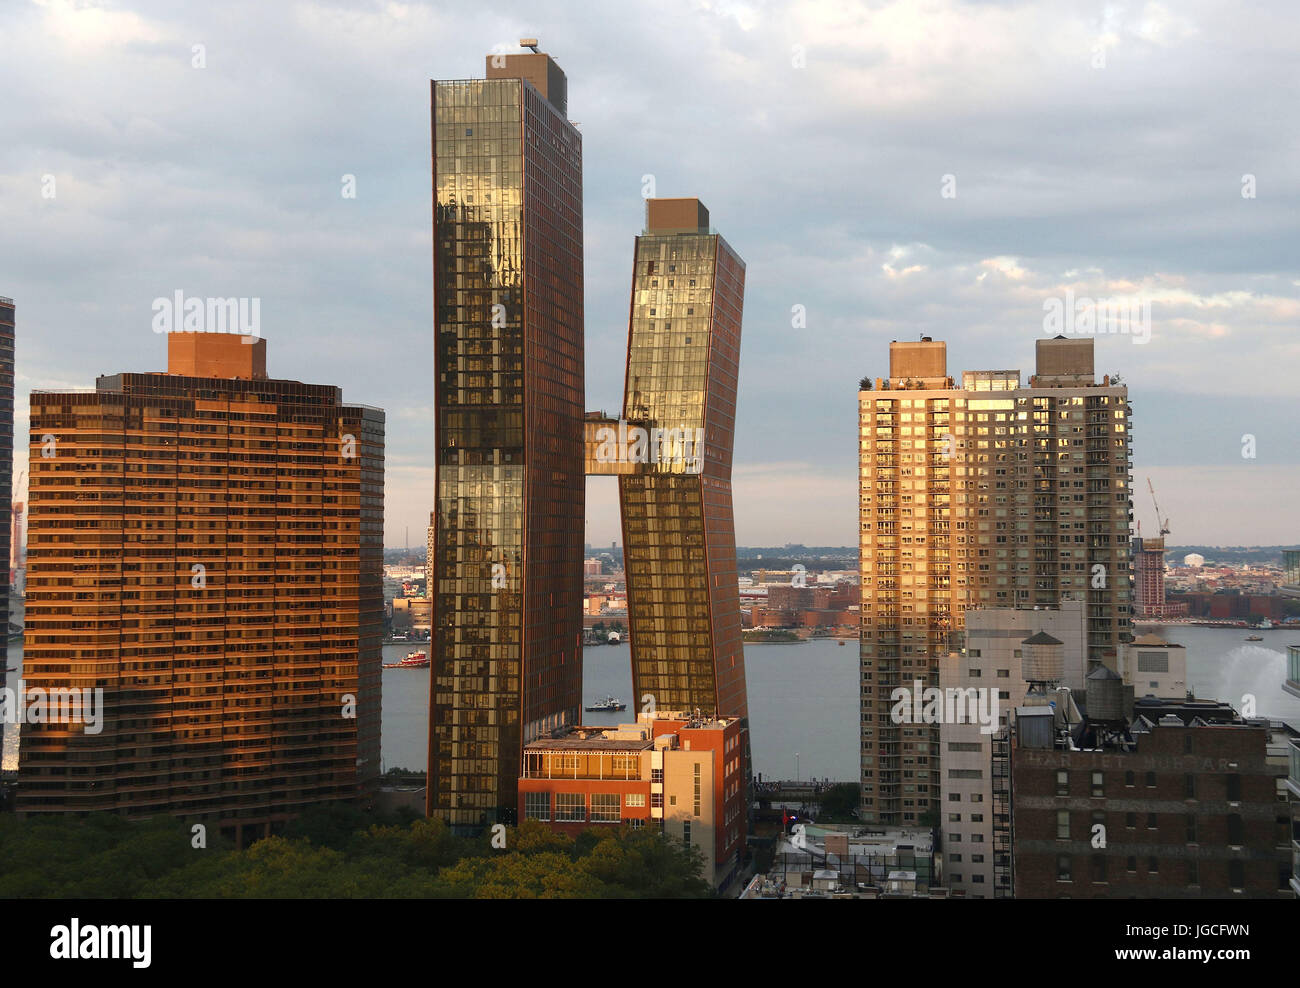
{"points": [[206, 547]]}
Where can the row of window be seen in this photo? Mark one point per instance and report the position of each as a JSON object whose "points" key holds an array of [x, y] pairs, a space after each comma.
{"points": [[571, 807]]}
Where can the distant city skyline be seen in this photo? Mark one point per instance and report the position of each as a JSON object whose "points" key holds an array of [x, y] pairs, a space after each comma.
{"points": [[1098, 151]]}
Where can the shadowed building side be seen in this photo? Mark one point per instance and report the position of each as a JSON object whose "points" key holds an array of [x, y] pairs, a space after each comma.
{"points": [[6, 473]]}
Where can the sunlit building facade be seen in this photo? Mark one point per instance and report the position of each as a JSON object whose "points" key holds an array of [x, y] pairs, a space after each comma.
{"points": [[206, 547], [992, 495], [506, 578], [672, 453]]}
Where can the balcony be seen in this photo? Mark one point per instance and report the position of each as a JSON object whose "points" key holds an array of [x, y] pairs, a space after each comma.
{"points": [[1293, 776]]}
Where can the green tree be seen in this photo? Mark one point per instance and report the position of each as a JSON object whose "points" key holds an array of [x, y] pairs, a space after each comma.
{"points": [[840, 800]]}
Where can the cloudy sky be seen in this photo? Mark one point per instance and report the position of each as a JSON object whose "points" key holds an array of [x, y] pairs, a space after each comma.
{"points": [[897, 169]]}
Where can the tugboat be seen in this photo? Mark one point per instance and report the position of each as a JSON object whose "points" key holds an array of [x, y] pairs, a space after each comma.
{"points": [[413, 660], [608, 705]]}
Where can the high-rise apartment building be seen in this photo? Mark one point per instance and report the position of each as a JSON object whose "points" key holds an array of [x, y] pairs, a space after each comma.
{"points": [[990, 494], [510, 484], [1148, 577], [672, 455], [6, 465], [205, 546]]}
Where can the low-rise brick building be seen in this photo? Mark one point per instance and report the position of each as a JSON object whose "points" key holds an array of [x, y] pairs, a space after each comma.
{"points": [[1181, 801]]}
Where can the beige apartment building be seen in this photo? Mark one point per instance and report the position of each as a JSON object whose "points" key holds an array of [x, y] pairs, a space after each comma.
{"points": [[990, 494], [995, 647]]}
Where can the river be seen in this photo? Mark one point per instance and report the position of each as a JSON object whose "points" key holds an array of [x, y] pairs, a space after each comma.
{"points": [[803, 697]]}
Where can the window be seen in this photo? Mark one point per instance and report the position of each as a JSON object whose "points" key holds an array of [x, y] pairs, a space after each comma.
{"points": [[1062, 824], [537, 806], [634, 799], [1236, 874], [657, 775], [1151, 822], [1189, 787], [1131, 820], [1234, 788], [1098, 785], [1129, 779], [635, 823], [604, 807], [626, 766], [672, 800], [1236, 830], [1193, 873], [657, 800], [1132, 865], [1151, 780], [1153, 866], [1063, 868], [1098, 868], [1191, 829], [570, 807], [686, 831], [1063, 782]]}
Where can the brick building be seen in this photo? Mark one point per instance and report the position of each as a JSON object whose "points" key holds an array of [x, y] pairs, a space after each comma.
{"points": [[683, 775], [1182, 803], [206, 547]]}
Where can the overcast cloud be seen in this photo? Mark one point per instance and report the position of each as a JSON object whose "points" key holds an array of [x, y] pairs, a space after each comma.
{"points": [[818, 134]]}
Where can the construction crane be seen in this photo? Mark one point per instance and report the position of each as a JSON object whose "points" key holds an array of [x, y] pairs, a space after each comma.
{"points": [[1162, 522]]}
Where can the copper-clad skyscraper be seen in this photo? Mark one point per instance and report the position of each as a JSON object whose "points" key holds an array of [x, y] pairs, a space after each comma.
{"points": [[672, 454], [510, 484]]}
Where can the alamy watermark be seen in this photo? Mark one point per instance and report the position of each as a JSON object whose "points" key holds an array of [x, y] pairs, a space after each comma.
{"points": [[918, 704], [1083, 316], [38, 705], [684, 446], [178, 314]]}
